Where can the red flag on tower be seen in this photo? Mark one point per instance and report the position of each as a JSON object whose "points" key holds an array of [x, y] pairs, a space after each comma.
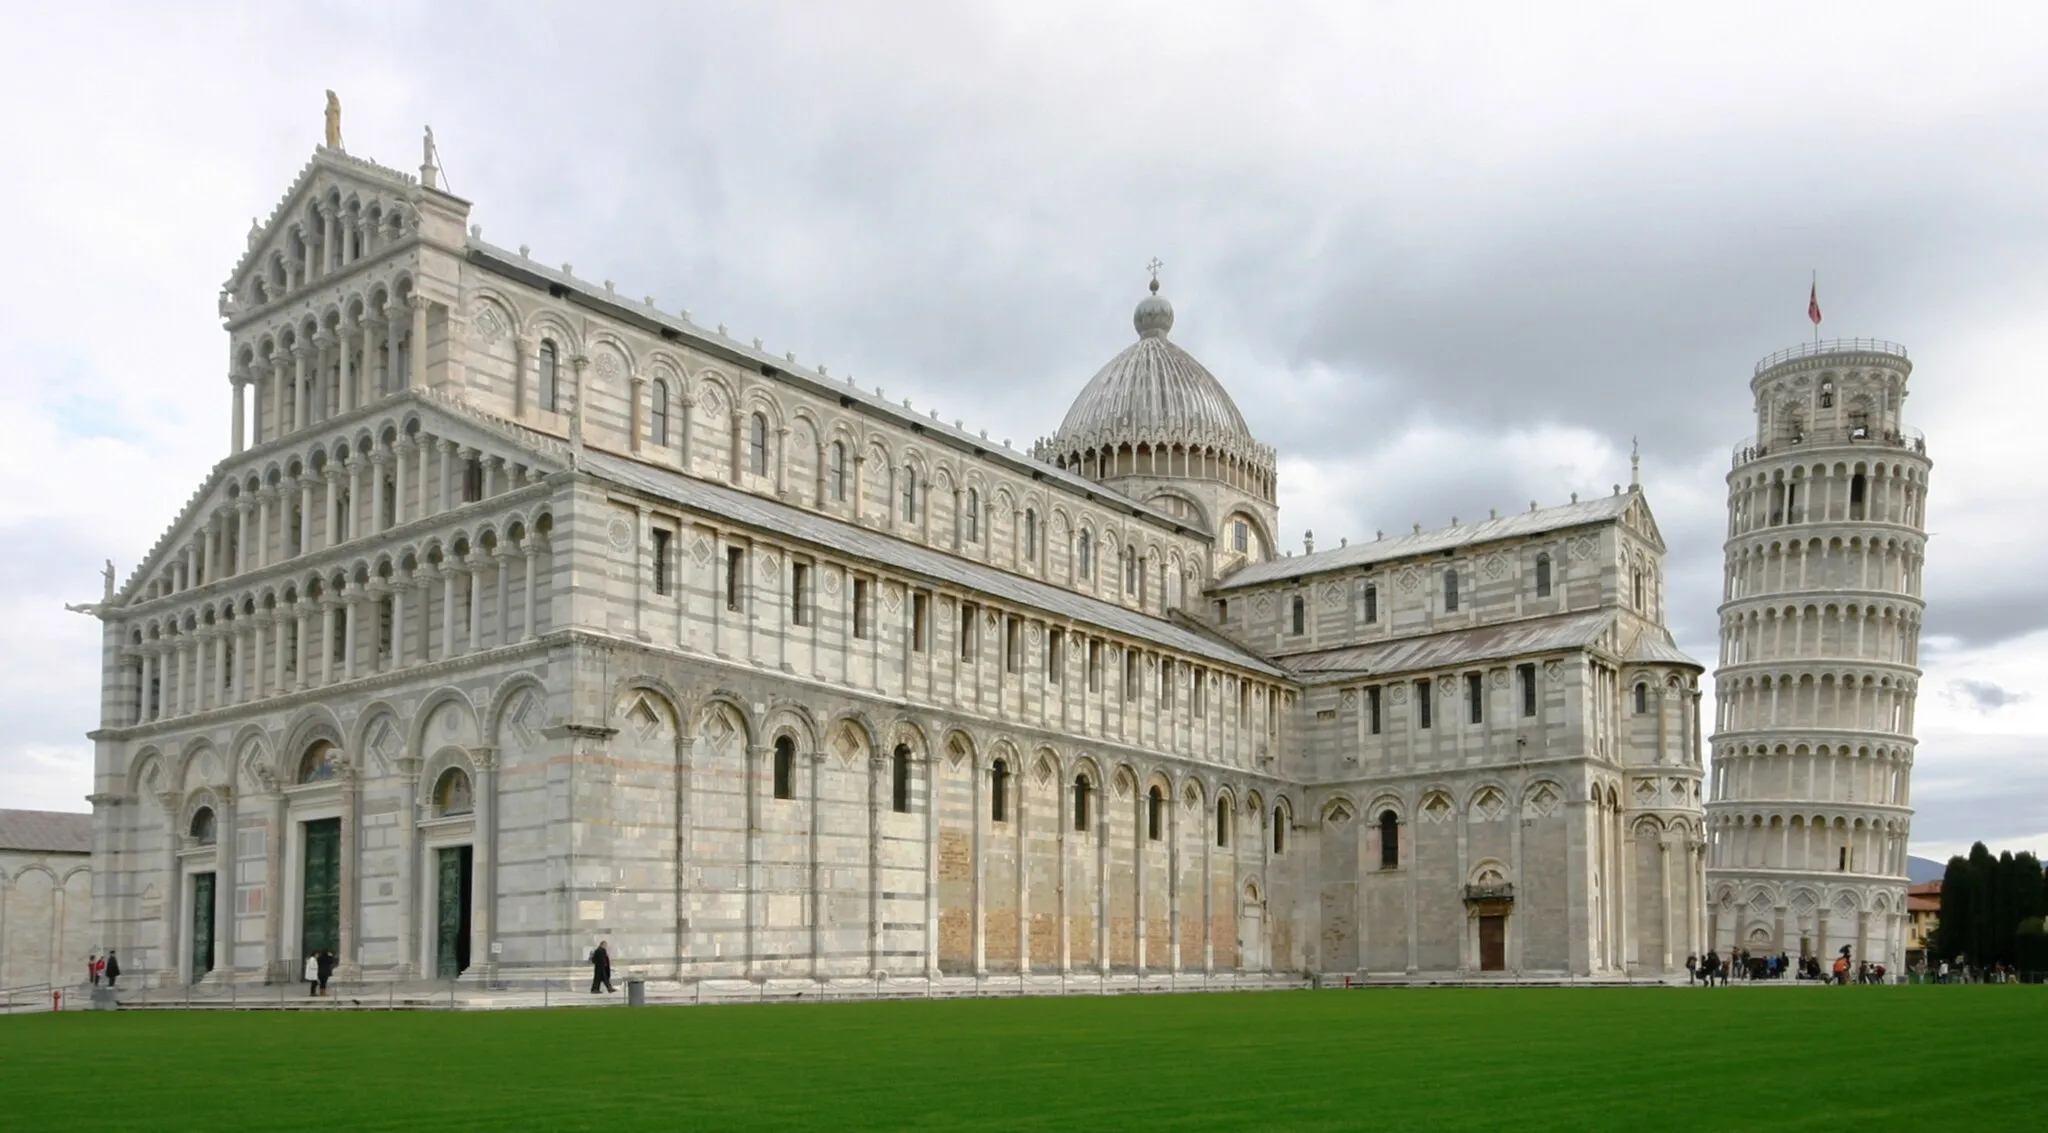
{"points": [[1813, 303]]}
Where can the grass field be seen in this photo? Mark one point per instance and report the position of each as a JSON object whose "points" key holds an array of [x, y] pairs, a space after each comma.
{"points": [[1911, 1058]]}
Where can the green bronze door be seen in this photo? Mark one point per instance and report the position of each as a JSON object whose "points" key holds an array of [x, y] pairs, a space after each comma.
{"points": [[202, 925], [320, 913], [451, 908]]}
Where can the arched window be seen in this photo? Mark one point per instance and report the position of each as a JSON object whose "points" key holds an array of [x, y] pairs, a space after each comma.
{"points": [[1827, 395], [1300, 615], [1130, 570], [1031, 534], [1642, 697], [1638, 576], [1279, 830], [318, 765], [785, 767], [971, 522], [1081, 793], [835, 472], [1372, 603], [1155, 814], [998, 792], [1241, 537], [452, 794], [657, 416], [550, 388], [1084, 551], [909, 494], [1223, 822], [1450, 590], [1390, 840], [1543, 575], [202, 830], [900, 789], [757, 444]]}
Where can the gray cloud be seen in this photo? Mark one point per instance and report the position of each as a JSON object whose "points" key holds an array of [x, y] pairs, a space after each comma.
{"points": [[1984, 697]]}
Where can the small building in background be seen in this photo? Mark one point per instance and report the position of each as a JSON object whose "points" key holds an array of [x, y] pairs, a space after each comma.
{"points": [[1923, 916], [45, 897]]}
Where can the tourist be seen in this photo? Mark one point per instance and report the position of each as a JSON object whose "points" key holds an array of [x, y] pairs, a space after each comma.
{"points": [[92, 969], [1692, 964], [600, 968], [112, 967], [312, 974], [1842, 970], [1784, 965], [326, 964]]}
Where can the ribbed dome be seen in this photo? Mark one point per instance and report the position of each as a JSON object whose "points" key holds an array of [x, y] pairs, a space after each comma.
{"points": [[1154, 389]]}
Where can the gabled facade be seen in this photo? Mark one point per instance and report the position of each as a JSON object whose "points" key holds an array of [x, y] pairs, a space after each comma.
{"points": [[523, 615]]}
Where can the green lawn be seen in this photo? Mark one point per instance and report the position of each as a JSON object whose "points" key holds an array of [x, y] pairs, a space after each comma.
{"points": [[1916, 1058]]}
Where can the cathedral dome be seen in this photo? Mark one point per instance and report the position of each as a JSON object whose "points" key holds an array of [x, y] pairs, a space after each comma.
{"points": [[1153, 392]]}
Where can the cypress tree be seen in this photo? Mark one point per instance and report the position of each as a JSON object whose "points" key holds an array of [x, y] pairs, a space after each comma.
{"points": [[1952, 931], [1982, 877]]}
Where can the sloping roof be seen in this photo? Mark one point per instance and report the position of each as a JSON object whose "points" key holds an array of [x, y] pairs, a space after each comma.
{"points": [[1924, 897], [46, 831], [514, 266], [847, 539], [1654, 646], [1459, 647], [1602, 510]]}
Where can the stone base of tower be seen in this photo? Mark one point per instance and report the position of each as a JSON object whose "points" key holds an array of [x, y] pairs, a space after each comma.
{"points": [[1808, 914]]}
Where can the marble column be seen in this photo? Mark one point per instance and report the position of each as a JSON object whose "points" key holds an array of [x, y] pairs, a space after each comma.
{"points": [[226, 850], [240, 379]]}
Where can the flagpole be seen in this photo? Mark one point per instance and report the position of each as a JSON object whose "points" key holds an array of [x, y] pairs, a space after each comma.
{"points": [[1815, 291]]}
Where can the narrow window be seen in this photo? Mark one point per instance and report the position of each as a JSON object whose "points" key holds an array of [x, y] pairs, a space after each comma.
{"points": [[1013, 643], [1201, 693], [969, 624], [1155, 814], [860, 608], [800, 594], [1842, 861], [1827, 395], [1279, 831], [998, 792], [1526, 676], [1165, 685], [1372, 708], [1031, 534], [1300, 615], [899, 796], [785, 767], [757, 443], [1081, 803], [384, 628], [1858, 485], [1372, 603], [1055, 655], [1475, 697], [657, 416], [1223, 822], [920, 622], [1638, 581], [735, 573], [473, 481], [549, 389], [1085, 552], [1422, 704], [909, 494], [972, 520], [1241, 537], [1131, 689], [1642, 697], [1390, 840], [661, 542], [1543, 575], [1094, 666], [1130, 570], [1222, 611], [835, 472], [1451, 590]]}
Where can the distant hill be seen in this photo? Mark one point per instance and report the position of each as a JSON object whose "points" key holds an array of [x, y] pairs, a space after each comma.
{"points": [[1924, 869]]}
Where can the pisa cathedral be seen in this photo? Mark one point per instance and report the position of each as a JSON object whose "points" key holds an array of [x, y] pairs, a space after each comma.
{"points": [[522, 615]]}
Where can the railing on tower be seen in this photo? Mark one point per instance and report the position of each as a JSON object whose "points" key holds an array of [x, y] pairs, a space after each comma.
{"points": [[1833, 346], [1753, 448]]}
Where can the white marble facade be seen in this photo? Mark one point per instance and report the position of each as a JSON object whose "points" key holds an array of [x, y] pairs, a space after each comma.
{"points": [[524, 614], [1820, 648]]}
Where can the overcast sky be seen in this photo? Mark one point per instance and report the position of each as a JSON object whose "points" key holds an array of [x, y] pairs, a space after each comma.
{"points": [[1448, 257]]}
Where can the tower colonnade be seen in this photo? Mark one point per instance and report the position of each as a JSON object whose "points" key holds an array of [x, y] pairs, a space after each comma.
{"points": [[1809, 813]]}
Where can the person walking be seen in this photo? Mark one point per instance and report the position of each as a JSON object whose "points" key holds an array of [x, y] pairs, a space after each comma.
{"points": [[312, 974], [325, 961], [92, 969], [1692, 964], [600, 968], [112, 967]]}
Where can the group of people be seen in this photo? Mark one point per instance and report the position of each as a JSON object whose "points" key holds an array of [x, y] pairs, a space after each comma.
{"points": [[1705, 970], [103, 969], [319, 969]]}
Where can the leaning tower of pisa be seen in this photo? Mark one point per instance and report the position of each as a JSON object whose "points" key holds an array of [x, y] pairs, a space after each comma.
{"points": [[1820, 639]]}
